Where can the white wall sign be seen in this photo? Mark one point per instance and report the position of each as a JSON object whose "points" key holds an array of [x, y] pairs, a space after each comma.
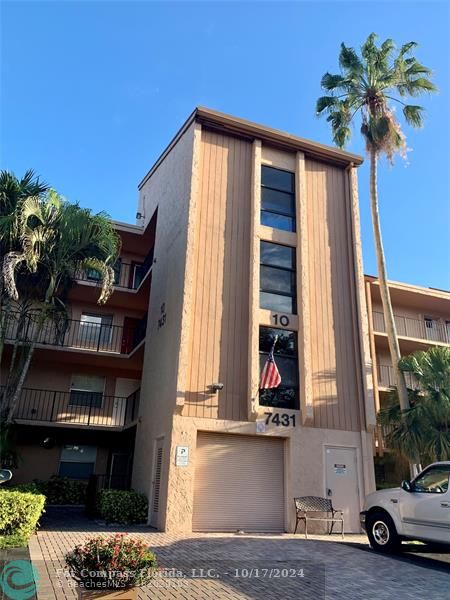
{"points": [[182, 456]]}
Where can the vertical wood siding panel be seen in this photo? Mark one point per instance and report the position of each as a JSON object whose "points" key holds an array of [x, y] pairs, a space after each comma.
{"points": [[218, 336], [341, 314], [333, 359], [194, 344]]}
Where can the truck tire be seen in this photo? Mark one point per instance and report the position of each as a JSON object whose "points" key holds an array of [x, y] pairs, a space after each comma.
{"points": [[383, 536]]}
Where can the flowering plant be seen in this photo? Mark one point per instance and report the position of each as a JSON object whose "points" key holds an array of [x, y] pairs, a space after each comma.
{"points": [[111, 562]]}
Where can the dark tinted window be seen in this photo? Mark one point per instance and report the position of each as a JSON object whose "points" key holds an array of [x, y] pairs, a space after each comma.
{"points": [[433, 480], [277, 199], [277, 179], [277, 255], [278, 278], [286, 359]]}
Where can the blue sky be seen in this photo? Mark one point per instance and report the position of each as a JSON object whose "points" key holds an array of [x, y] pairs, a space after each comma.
{"points": [[92, 92]]}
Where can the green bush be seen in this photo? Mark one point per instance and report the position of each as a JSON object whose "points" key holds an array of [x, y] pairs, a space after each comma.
{"points": [[121, 506], [57, 490], [19, 514]]}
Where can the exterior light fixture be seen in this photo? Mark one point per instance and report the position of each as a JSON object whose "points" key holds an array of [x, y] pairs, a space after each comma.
{"points": [[215, 387]]}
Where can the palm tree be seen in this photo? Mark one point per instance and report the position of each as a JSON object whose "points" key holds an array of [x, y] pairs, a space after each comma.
{"points": [[423, 431], [367, 87], [50, 242], [13, 193]]}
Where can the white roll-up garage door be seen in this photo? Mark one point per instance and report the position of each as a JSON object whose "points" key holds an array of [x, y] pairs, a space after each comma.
{"points": [[239, 483]]}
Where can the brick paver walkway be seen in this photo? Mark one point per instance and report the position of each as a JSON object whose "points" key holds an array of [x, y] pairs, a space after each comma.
{"points": [[332, 569]]}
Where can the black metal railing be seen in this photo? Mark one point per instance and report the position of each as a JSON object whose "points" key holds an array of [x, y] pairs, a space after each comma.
{"points": [[77, 408], [127, 275], [92, 333]]}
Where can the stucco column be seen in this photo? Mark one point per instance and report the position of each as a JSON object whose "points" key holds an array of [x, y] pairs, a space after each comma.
{"points": [[304, 332], [183, 356]]}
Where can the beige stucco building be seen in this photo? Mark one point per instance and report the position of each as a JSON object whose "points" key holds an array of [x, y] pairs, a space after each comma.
{"points": [[245, 235], [422, 317], [257, 236]]}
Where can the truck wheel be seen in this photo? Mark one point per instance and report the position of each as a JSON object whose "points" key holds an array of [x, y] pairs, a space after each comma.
{"points": [[381, 532]]}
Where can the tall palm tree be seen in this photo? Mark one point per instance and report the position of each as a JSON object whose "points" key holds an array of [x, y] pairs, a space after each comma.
{"points": [[51, 241], [366, 89], [424, 431]]}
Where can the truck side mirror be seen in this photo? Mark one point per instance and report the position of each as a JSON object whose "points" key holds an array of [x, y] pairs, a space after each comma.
{"points": [[406, 485], [5, 475]]}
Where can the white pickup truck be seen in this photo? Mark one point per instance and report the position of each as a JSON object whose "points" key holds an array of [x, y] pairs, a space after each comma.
{"points": [[418, 510]]}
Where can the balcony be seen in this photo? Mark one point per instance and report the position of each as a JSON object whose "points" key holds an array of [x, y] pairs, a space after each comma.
{"points": [[386, 377], [92, 334], [87, 409], [430, 330], [128, 276]]}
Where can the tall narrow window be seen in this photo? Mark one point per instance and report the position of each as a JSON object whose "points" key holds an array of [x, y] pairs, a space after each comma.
{"points": [[277, 278], [277, 198], [286, 359]]}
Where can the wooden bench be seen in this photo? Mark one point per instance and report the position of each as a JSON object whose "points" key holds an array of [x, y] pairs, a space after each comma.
{"points": [[307, 505]]}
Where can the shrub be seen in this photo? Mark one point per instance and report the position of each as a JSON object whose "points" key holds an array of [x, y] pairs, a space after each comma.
{"points": [[112, 562], [57, 490], [121, 506], [19, 514]]}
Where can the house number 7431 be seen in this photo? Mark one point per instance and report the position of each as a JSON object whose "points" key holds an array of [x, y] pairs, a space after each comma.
{"points": [[282, 320], [284, 419]]}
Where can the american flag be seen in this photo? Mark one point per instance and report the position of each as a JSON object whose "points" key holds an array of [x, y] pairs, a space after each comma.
{"points": [[270, 376]]}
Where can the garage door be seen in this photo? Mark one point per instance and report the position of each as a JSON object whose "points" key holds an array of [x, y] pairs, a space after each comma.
{"points": [[238, 483]]}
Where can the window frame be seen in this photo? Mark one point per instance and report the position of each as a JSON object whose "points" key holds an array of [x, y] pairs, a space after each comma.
{"points": [[65, 461], [104, 333], [293, 274], [291, 193], [78, 389], [425, 472], [284, 355]]}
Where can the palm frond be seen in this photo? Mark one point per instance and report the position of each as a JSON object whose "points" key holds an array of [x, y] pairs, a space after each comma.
{"points": [[369, 82], [332, 82], [325, 103], [413, 115], [349, 60]]}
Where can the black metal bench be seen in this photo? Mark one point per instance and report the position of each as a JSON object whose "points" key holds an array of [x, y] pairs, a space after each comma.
{"points": [[306, 505]]}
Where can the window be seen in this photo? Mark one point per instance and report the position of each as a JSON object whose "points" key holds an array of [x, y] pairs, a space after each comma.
{"points": [[95, 330], [77, 461], [277, 199], [277, 278], [431, 328], [137, 274], [433, 480], [87, 390], [286, 359]]}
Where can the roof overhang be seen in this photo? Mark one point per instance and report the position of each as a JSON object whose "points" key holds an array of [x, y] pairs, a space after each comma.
{"points": [[242, 128], [275, 137]]}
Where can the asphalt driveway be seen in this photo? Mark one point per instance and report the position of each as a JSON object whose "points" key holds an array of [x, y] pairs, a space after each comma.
{"points": [[215, 566]]}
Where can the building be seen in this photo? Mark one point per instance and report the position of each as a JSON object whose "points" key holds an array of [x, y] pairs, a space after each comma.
{"points": [[422, 317], [257, 236], [245, 236], [78, 409]]}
